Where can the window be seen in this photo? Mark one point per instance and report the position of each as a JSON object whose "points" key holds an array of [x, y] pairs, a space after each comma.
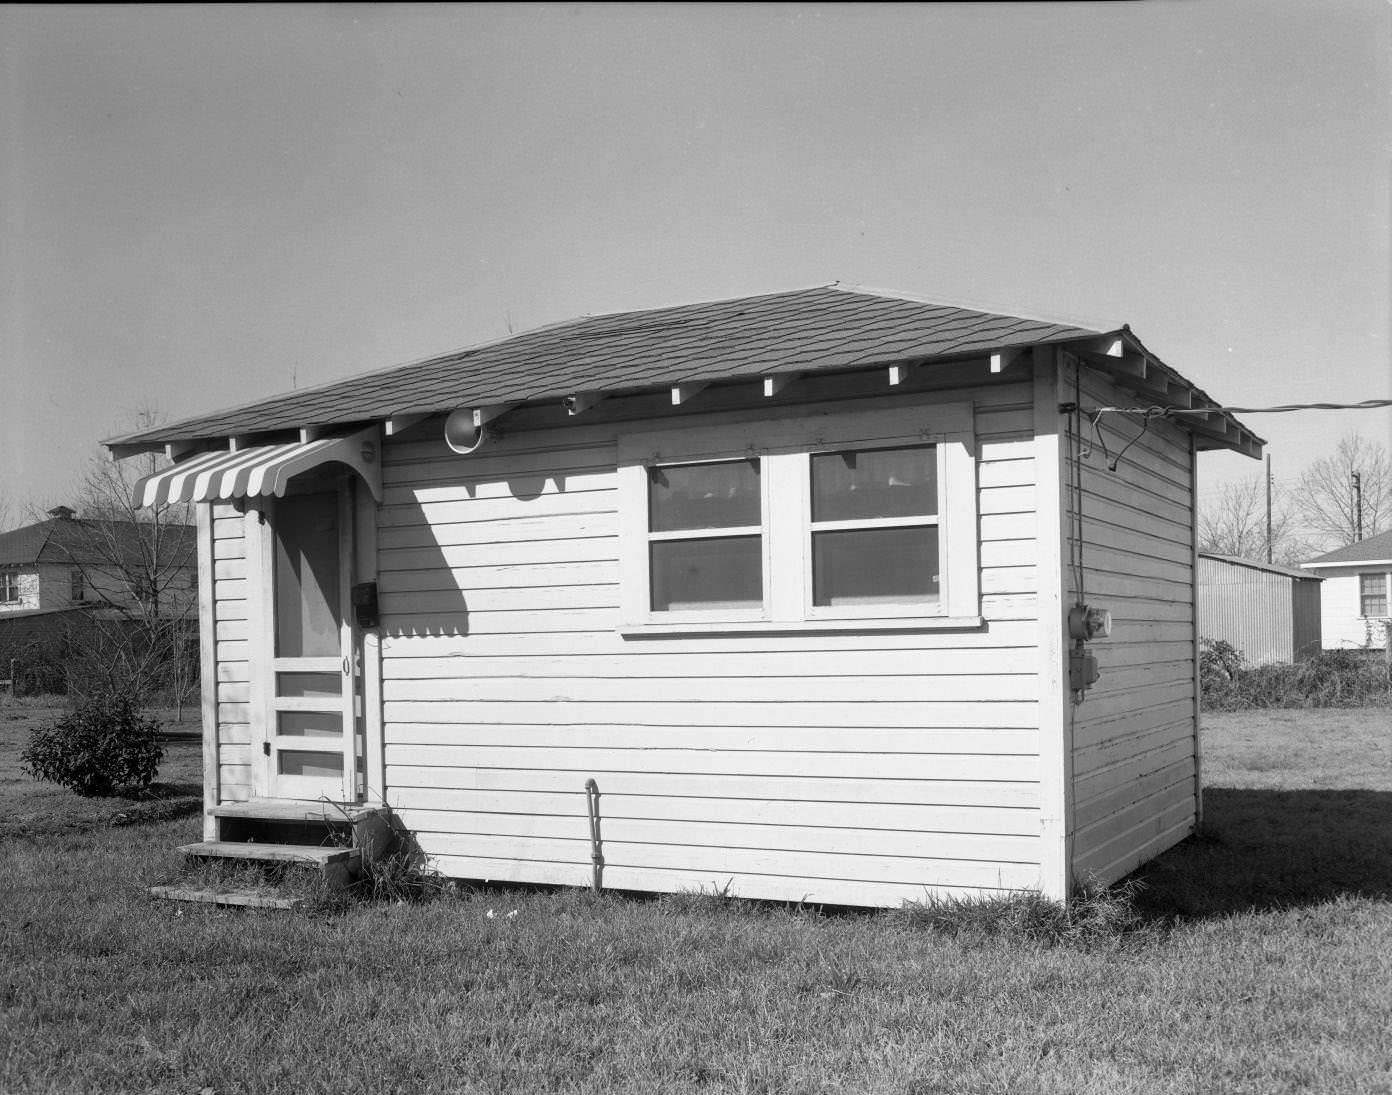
{"points": [[9, 586], [874, 526], [1372, 594], [861, 519], [705, 536], [78, 590]]}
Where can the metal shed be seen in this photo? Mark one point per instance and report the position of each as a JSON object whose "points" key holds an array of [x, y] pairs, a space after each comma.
{"points": [[1270, 613]]}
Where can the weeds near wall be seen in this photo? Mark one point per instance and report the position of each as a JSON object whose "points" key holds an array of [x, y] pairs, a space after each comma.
{"points": [[1335, 678], [1094, 915]]}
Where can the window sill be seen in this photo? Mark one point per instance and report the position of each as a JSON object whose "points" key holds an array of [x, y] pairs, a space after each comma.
{"points": [[798, 627]]}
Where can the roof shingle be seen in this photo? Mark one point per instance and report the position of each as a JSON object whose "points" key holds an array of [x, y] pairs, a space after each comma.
{"points": [[807, 330]]}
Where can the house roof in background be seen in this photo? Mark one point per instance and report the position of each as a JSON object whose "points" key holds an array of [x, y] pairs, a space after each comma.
{"points": [[92, 543], [1375, 549], [1290, 572], [823, 329]]}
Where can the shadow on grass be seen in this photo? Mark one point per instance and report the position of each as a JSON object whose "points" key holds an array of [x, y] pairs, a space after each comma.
{"points": [[1263, 849]]}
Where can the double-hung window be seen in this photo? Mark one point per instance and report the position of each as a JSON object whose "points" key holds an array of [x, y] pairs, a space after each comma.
{"points": [[705, 537], [822, 520], [1372, 594], [9, 586]]}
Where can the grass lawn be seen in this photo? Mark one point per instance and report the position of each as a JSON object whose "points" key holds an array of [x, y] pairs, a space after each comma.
{"points": [[1265, 966]]}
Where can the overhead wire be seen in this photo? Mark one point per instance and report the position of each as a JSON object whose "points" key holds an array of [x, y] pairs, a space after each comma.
{"points": [[1158, 410]]}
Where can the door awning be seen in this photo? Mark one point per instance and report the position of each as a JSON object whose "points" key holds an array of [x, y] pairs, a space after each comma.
{"points": [[262, 469]]}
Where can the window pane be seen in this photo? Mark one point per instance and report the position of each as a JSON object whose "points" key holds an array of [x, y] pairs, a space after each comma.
{"points": [[866, 566], [704, 496], [310, 724], [726, 572], [309, 684], [1374, 591], [320, 765], [847, 486], [306, 576]]}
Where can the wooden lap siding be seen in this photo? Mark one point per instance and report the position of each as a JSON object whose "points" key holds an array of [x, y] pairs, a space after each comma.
{"points": [[1134, 762], [233, 668], [844, 768]]}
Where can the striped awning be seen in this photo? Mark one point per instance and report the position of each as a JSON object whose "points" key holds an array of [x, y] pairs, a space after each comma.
{"points": [[262, 469]]}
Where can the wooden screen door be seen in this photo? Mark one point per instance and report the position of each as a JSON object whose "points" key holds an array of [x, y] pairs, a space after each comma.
{"points": [[311, 724]]}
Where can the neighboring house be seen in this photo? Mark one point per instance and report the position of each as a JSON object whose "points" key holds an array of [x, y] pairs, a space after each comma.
{"points": [[788, 577], [1357, 592], [1270, 613], [112, 567]]}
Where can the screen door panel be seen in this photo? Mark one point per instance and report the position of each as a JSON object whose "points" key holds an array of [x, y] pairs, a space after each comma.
{"points": [[309, 739]]}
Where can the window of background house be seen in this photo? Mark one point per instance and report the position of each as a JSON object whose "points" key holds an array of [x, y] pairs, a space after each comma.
{"points": [[705, 536], [9, 585], [874, 526], [78, 590], [1372, 589]]}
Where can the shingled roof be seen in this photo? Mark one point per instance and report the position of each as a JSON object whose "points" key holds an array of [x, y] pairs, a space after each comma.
{"points": [[808, 330], [823, 329], [1375, 549], [80, 542]]}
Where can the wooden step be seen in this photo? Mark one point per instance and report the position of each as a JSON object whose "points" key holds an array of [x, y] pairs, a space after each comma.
{"points": [[250, 899], [318, 856], [282, 809]]}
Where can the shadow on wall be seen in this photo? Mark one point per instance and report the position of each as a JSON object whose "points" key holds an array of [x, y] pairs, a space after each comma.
{"points": [[426, 550], [1265, 849]]}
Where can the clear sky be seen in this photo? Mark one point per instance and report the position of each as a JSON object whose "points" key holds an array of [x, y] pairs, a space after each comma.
{"points": [[204, 205]]}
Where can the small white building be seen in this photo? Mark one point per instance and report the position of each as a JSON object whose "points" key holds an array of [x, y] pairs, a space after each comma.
{"points": [[789, 578], [1356, 594]]}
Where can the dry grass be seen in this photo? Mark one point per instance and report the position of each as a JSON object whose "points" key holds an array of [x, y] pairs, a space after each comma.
{"points": [[1265, 966]]}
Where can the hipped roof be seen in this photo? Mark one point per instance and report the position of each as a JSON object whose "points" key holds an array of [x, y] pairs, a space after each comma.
{"points": [[823, 329], [77, 541], [1375, 549]]}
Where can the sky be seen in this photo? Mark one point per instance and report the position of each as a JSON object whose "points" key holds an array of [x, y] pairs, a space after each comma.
{"points": [[205, 205]]}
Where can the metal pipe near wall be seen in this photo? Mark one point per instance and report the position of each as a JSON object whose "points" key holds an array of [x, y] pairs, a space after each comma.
{"points": [[596, 840]]}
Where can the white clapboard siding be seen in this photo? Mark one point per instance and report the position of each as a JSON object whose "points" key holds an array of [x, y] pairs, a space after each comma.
{"points": [[703, 833], [829, 690], [851, 816], [925, 870], [645, 662], [759, 739], [791, 888], [1134, 762], [779, 760], [530, 711], [793, 762], [231, 654], [706, 786]]}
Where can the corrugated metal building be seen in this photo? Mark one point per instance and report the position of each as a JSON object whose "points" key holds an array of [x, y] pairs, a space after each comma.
{"points": [[1270, 613]]}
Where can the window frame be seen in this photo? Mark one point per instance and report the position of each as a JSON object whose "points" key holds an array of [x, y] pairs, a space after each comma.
{"points": [[1363, 596], [698, 615], [9, 583], [784, 447]]}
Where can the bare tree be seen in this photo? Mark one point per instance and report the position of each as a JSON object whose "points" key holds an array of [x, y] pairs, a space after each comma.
{"points": [[137, 566], [1328, 502], [1234, 523]]}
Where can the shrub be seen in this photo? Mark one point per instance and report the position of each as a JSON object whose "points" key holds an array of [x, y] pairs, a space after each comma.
{"points": [[1334, 678], [104, 742]]}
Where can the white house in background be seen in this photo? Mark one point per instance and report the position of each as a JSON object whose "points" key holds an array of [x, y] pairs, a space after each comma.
{"points": [[778, 591], [1357, 592]]}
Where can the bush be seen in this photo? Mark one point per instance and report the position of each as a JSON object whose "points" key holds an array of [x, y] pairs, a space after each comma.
{"points": [[104, 742], [1335, 678]]}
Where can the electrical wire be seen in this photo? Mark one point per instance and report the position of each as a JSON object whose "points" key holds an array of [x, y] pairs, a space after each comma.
{"points": [[1157, 411]]}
